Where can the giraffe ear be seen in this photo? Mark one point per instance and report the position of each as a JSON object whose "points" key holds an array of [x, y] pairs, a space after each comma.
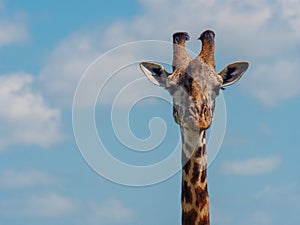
{"points": [[156, 73], [233, 72]]}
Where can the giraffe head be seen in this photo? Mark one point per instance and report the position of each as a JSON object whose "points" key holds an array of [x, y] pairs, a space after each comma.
{"points": [[195, 88]]}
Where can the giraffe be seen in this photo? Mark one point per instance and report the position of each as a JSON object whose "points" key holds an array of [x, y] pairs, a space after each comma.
{"points": [[194, 85]]}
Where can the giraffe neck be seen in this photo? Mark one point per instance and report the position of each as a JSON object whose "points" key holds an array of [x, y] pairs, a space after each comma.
{"points": [[194, 195]]}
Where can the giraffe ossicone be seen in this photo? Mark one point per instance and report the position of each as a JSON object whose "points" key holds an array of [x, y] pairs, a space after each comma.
{"points": [[194, 85]]}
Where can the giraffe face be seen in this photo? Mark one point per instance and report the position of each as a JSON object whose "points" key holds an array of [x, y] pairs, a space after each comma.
{"points": [[194, 97], [193, 112], [194, 89]]}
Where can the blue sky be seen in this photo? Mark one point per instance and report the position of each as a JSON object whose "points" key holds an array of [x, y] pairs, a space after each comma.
{"points": [[45, 50]]}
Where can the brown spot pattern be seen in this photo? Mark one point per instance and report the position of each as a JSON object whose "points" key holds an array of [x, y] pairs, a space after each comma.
{"points": [[196, 173], [201, 197], [187, 165], [193, 195], [189, 218], [199, 152], [204, 220], [186, 193], [203, 176]]}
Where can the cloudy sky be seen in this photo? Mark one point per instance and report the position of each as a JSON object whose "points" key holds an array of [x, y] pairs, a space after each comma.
{"points": [[71, 91]]}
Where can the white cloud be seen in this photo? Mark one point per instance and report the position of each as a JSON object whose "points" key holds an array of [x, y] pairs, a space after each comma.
{"points": [[66, 65], [50, 205], [274, 83], [12, 32], [280, 195], [111, 211], [23, 179], [54, 205], [69, 61], [255, 166], [261, 218], [25, 118], [13, 28], [257, 31]]}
